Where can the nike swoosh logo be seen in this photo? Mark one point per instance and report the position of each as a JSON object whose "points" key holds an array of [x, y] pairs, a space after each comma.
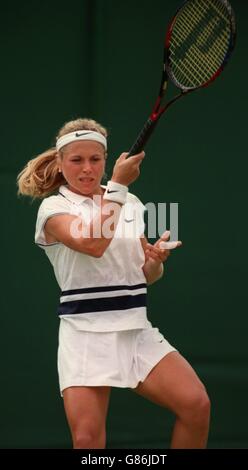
{"points": [[129, 220], [112, 191], [82, 133]]}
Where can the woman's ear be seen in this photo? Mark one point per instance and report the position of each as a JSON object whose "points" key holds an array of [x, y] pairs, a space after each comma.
{"points": [[58, 158]]}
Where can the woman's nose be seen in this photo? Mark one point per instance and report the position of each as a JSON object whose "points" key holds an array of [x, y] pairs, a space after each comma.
{"points": [[86, 168]]}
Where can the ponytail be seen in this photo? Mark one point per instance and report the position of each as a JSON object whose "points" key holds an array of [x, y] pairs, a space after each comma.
{"points": [[40, 177]]}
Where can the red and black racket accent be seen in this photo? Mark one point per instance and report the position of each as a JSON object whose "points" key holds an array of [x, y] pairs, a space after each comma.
{"points": [[198, 44]]}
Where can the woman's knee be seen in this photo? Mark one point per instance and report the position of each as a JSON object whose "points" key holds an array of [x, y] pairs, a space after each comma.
{"points": [[89, 438], [196, 406]]}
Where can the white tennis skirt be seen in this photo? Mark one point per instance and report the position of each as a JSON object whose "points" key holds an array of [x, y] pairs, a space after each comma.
{"points": [[116, 359]]}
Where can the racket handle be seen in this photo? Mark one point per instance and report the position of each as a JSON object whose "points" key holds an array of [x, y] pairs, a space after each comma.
{"points": [[143, 137]]}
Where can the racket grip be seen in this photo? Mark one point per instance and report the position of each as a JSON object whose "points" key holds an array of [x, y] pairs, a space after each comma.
{"points": [[143, 137]]}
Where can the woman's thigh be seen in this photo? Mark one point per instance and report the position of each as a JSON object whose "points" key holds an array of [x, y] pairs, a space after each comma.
{"points": [[172, 383]]}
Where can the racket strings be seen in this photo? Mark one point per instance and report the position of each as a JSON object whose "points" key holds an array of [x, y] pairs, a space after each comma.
{"points": [[199, 42], [189, 73], [223, 40], [189, 70], [199, 21], [193, 59], [182, 35]]}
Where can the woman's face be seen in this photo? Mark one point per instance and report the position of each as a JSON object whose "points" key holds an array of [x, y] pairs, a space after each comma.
{"points": [[83, 165]]}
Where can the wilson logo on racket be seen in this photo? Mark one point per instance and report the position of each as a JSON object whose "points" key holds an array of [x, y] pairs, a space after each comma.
{"points": [[205, 34]]}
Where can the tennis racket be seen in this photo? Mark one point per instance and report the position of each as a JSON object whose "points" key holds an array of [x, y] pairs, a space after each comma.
{"points": [[198, 44]]}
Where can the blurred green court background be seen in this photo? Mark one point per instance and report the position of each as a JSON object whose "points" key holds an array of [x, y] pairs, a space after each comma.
{"points": [[102, 59]]}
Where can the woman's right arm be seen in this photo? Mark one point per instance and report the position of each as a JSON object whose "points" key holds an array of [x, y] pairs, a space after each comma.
{"points": [[68, 229]]}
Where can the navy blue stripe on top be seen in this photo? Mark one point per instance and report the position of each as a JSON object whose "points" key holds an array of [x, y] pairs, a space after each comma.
{"points": [[103, 304]]}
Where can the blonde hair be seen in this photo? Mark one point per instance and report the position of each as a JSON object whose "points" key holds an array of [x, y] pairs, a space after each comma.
{"points": [[40, 177]]}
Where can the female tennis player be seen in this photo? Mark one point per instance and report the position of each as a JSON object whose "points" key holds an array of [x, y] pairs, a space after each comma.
{"points": [[93, 237]]}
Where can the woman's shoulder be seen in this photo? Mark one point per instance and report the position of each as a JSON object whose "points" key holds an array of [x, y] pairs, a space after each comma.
{"points": [[54, 202]]}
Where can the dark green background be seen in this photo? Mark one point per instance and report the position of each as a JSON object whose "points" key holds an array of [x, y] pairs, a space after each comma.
{"points": [[102, 59]]}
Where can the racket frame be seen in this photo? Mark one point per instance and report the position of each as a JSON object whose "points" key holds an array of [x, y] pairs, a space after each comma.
{"points": [[167, 74]]}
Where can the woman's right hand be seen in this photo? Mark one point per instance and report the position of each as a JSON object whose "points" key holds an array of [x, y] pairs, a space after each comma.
{"points": [[127, 169]]}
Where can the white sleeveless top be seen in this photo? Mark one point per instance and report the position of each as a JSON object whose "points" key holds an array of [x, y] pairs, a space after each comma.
{"points": [[98, 294]]}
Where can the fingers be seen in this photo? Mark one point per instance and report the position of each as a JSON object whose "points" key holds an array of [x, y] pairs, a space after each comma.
{"points": [[164, 244], [155, 253], [169, 245], [137, 157], [165, 235], [161, 249], [122, 157], [127, 169]]}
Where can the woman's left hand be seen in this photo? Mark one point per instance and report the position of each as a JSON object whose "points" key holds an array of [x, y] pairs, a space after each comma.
{"points": [[156, 254], [161, 249]]}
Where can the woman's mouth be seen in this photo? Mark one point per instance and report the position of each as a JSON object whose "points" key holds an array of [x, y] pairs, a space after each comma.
{"points": [[86, 179]]}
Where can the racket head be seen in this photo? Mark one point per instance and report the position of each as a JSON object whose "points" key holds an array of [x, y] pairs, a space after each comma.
{"points": [[199, 43]]}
